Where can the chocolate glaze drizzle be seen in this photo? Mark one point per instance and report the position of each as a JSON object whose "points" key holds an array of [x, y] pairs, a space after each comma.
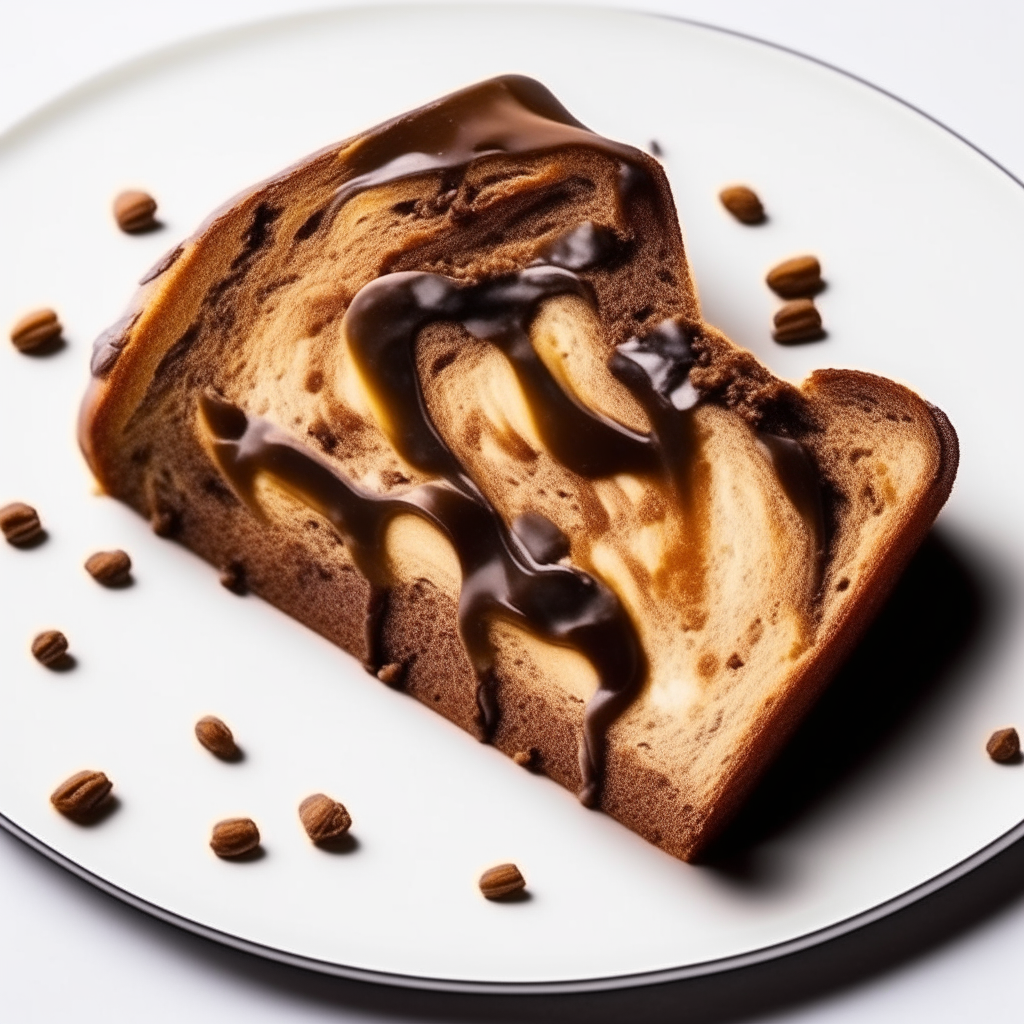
{"points": [[507, 574], [510, 114], [541, 537], [387, 315], [501, 579], [799, 479], [584, 247]]}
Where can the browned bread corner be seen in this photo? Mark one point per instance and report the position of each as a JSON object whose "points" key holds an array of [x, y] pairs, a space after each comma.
{"points": [[443, 393]]}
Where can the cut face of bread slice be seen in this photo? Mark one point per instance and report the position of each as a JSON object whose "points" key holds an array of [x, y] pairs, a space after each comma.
{"points": [[444, 394]]}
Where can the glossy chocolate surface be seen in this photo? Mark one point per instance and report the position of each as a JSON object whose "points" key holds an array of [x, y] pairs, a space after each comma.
{"points": [[500, 578], [505, 574], [507, 115], [508, 573]]}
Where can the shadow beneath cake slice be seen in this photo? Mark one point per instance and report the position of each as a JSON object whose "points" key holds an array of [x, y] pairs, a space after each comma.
{"points": [[942, 613]]}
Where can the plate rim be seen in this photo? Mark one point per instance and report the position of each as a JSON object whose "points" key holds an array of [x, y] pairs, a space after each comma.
{"points": [[607, 983], [99, 81]]}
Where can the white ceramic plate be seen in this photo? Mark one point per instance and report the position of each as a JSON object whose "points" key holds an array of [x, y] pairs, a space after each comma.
{"points": [[920, 237]]}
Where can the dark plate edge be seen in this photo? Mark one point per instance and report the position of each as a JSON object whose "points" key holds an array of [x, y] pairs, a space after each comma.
{"points": [[410, 981]]}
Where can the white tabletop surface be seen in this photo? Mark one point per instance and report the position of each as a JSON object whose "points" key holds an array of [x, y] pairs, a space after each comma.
{"points": [[69, 952]]}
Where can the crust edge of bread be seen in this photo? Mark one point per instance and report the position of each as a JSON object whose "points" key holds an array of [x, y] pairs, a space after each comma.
{"points": [[874, 588]]}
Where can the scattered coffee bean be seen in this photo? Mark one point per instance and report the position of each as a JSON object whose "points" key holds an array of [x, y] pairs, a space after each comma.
{"points": [[135, 211], [797, 278], [36, 332], [323, 818], [218, 739], [20, 524], [111, 568], [503, 880], [234, 837], [798, 321], [50, 648], [743, 204], [81, 795], [1003, 745]]}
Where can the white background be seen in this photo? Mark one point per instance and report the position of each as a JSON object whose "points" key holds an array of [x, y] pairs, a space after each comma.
{"points": [[69, 952]]}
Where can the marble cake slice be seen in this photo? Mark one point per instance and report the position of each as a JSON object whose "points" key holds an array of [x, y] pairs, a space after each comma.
{"points": [[444, 394]]}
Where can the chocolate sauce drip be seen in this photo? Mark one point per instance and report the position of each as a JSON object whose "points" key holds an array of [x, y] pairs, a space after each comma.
{"points": [[656, 370], [500, 579], [503, 575], [660, 363], [106, 349], [583, 248], [800, 480], [507, 575], [511, 575], [511, 114], [382, 325], [541, 537]]}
